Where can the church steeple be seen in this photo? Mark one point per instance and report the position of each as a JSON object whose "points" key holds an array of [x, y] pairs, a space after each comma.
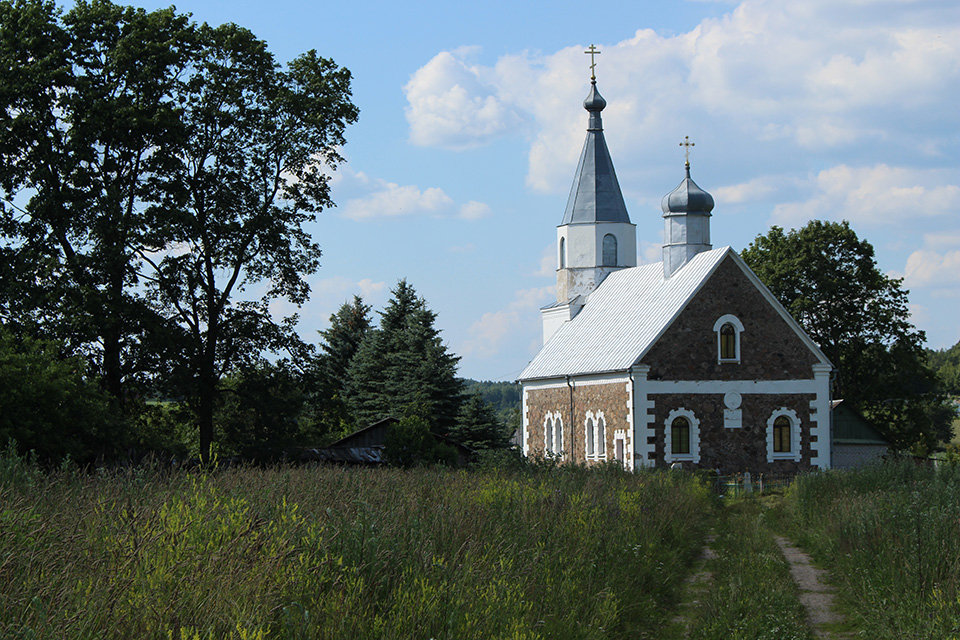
{"points": [[596, 236], [686, 215]]}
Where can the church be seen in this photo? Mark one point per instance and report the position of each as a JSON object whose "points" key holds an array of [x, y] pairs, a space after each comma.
{"points": [[690, 361]]}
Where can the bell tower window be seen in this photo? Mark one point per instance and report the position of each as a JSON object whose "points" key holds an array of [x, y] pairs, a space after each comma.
{"points": [[609, 250], [563, 253]]}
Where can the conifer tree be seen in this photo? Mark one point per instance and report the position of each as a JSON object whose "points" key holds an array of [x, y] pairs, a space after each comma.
{"points": [[478, 426], [403, 364]]}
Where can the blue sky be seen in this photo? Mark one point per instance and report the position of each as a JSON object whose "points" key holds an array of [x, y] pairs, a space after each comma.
{"points": [[471, 123]]}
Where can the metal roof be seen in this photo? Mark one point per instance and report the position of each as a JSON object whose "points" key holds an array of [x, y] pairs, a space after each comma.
{"points": [[595, 195], [622, 319]]}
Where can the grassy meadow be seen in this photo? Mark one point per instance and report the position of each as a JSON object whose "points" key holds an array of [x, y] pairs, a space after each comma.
{"points": [[890, 536], [344, 553], [534, 551]]}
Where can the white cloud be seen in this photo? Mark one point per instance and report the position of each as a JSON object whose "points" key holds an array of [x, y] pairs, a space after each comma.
{"points": [[751, 191], [491, 331], [880, 194], [812, 76], [928, 268], [474, 210], [391, 200], [453, 105]]}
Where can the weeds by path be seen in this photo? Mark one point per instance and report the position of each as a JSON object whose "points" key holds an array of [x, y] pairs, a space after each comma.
{"points": [[751, 595], [890, 537]]}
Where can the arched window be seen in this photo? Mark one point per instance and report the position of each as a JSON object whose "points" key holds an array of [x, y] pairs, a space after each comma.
{"points": [[609, 250], [682, 437], [558, 436], [548, 436], [783, 435], [728, 328], [563, 253], [601, 437], [728, 342], [589, 434]]}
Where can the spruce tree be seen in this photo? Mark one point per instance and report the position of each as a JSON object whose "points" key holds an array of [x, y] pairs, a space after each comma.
{"points": [[478, 426], [404, 364]]}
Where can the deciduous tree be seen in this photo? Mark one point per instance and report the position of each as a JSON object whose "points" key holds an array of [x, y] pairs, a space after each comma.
{"points": [[828, 279]]}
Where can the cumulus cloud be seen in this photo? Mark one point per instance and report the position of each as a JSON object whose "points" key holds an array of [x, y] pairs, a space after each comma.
{"points": [[392, 200], [455, 105], [879, 194], [491, 331], [808, 76], [929, 268]]}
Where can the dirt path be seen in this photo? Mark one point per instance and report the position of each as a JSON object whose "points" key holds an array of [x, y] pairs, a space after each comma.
{"points": [[815, 595]]}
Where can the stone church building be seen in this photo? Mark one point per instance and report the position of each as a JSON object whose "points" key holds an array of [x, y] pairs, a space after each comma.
{"points": [[690, 360]]}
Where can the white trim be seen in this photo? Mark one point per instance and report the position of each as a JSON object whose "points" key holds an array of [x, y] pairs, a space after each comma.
{"points": [[556, 429], [820, 416], [743, 387], [694, 455], [526, 423], [595, 418], [795, 428], [583, 380], [643, 421], [620, 435]]}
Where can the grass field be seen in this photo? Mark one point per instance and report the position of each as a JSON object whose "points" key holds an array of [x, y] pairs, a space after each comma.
{"points": [[533, 552], [345, 553]]}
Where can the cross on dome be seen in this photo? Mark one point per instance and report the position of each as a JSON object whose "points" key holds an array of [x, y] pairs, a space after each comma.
{"points": [[593, 51], [686, 152]]}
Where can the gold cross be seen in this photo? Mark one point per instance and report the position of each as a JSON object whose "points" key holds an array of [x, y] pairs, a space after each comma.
{"points": [[686, 152], [593, 51]]}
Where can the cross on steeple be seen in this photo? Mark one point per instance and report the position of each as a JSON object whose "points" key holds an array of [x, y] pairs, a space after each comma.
{"points": [[593, 51], [686, 152]]}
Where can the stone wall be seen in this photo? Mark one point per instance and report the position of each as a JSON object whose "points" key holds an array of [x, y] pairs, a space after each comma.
{"points": [[735, 450], [610, 398], [769, 348]]}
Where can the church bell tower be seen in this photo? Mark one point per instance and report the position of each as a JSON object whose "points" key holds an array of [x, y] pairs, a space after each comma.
{"points": [[596, 236]]}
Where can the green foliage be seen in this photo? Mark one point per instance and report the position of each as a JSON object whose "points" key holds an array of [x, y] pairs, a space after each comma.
{"points": [[346, 553], [263, 413], [404, 363], [888, 534], [478, 427], [47, 405], [410, 443], [946, 362], [154, 171], [828, 280]]}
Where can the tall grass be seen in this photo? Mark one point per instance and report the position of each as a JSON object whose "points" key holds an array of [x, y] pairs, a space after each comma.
{"points": [[343, 553], [750, 594], [890, 536]]}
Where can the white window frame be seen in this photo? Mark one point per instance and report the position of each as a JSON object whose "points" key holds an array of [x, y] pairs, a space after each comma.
{"points": [[694, 455], [733, 321], [556, 425], [591, 427], [794, 453]]}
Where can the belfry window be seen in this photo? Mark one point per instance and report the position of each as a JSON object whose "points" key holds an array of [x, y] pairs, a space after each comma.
{"points": [[609, 250], [563, 253]]}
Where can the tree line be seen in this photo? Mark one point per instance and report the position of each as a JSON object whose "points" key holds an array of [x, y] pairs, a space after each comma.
{"points": [[157, 176]]}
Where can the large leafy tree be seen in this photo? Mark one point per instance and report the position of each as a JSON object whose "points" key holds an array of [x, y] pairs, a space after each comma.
{"points": [[87, 121], [828, 279], [403, 366], [229, 237]]}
